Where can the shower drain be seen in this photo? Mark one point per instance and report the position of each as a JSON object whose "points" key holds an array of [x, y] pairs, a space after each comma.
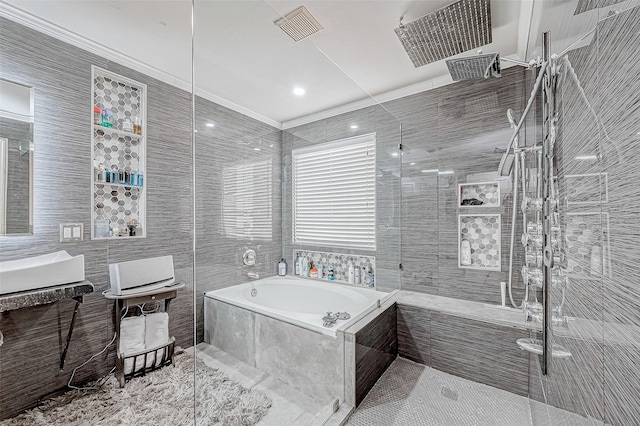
{"points": [[449, 393], [254, 292]]}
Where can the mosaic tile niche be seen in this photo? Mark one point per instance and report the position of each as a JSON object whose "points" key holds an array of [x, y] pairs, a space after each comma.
{"points": [[340, 264], [587, 244], [118, 201], [487, 193], [483, 234]]}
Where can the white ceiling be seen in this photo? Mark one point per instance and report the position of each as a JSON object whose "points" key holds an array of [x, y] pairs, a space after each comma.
{"points": [[243, 61]]}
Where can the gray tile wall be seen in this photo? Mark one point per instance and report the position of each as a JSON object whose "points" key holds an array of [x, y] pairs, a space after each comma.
{"points": [[231, 143], [369, 120], [482, 352], [376, 348], [459, 127], [602, 379], [34, 338]]}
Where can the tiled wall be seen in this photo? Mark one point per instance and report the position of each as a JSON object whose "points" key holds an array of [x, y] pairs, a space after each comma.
{"points": [[482, 352], [229, 147], [602, 378], [376, 348], [387, 128], [34, 337], [459, 128]]}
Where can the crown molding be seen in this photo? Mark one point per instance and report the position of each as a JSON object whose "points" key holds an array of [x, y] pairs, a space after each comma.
{"points": [[48, 28]]}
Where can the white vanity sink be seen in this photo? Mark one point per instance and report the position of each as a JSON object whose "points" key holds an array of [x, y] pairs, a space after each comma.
{"points": [[40, 271]]}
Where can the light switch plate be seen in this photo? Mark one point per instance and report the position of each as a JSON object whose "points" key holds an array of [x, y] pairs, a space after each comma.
{"points": [[71, 232]]}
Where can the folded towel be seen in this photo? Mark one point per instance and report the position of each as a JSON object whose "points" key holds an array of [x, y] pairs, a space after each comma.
{"points": [[132, 340], [156, 334]]}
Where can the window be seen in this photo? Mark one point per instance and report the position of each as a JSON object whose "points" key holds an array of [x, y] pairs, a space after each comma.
{"points": [[247, 204], [334, 194]]}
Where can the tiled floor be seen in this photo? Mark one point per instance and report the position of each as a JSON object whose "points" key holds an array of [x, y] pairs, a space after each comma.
{"points": [[412, 394], [289, 406]]}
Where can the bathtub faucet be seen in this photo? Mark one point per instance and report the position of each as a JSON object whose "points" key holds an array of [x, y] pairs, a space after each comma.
{"points": [[253, 275], [330, 319]]}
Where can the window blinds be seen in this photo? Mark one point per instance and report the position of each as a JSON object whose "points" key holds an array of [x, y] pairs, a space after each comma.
{"points": [[247, 201], [334, 194]]}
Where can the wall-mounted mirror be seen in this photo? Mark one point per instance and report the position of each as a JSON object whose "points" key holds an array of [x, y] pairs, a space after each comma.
{"points": [[16, 158]]}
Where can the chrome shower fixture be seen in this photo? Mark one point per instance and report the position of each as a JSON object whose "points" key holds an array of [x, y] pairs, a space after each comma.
{"points": [[474, 67], [462, 26]]}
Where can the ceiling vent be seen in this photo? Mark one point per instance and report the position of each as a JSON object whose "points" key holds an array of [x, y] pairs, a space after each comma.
{"points": [[299, 24], [459, 27]]}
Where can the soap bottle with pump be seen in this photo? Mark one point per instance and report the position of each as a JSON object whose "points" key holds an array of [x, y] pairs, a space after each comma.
{"points": [[357, 276], [351, 274], [282, 268]]}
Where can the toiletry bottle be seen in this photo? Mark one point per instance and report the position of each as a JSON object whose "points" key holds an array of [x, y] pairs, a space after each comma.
{"points": [[313, 273], [330, 274], [320, 271], [282, 268], [351, 274], [356, 274], [100, 172], [127, 125], [134, 178], [140, 179], [370, 278], [305, 267], [503, 294], [297, 271], [107, 174], [97, 115], [127, 177], [137, 125], [104, 118], [465, 253]]}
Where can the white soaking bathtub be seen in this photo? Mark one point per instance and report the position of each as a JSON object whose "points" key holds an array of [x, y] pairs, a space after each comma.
{"points": [[275, 325], [301, 301]]}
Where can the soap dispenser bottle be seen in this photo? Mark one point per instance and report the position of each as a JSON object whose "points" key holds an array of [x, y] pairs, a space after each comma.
{"points": [[282, 268], [351, 274]]}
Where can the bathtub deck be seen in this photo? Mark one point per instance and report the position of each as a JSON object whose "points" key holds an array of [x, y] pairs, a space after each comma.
{"points": [[289, 406]]}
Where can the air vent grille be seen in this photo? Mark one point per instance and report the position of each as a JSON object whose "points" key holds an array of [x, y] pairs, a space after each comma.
{"points": [[299, 24], [457, 28]]}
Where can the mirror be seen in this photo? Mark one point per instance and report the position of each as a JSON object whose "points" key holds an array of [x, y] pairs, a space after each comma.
{"points": [[16, 158]]}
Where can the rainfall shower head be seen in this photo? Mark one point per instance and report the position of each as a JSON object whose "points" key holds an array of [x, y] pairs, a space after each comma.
{"points": [[462, 26], [473, 67]]}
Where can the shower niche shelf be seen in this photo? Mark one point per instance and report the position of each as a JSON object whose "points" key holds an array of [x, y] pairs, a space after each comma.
{"points": [[482, 233], [479, 194], [116, 205]]}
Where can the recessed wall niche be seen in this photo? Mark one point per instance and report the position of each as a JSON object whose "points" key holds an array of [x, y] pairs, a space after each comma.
{"points": [[118, 178]]}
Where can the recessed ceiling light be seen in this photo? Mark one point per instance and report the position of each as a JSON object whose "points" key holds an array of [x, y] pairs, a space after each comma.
{"points": [[210, 125], [430, 171], [446, 172], [587, 157], [394, 154], [412, 164], [271, 146], [299, 91], [195, 131], [354, 126], [256, 149]]}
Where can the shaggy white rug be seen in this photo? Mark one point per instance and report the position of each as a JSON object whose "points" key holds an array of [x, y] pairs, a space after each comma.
{"points": [[162, 397]]}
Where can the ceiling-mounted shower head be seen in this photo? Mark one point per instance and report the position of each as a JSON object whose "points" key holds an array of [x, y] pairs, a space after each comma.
{"points": [[462, 26], [473, 67]]}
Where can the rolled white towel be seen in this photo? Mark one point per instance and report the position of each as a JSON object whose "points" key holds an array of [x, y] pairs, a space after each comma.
{"points": [[156, 334], [132, 340]]}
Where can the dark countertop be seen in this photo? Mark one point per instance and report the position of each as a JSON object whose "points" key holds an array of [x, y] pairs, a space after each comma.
{"points": [[43, 296]]}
